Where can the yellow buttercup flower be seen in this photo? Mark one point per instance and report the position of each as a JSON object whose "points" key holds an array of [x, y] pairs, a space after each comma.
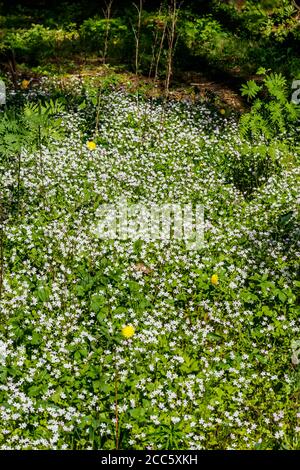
{"points": [[214, 279], [25, 84], [91, 145], [128, 331], [222, 111]]}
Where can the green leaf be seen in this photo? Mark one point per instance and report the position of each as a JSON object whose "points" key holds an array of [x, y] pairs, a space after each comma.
{"points": [[137, 413], [36, 338], [282, 297], [97, 302], [34, 391], [43, 293], [250, 89]]}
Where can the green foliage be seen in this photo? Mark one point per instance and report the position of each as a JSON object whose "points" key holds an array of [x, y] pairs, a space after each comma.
{"points": [[249, 166], [250, 89], [40, 42], [12, 135], [37, 121], [203, 35], [221, 34], [273, 115], [263, 130], [44, 121], [93, 32]]}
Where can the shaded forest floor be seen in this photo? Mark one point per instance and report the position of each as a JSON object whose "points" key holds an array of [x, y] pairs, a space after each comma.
{"points": [[221, 90]]}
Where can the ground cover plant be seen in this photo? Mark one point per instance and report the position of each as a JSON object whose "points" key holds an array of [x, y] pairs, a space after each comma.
{"points": [[207, 362], [139, 343]]}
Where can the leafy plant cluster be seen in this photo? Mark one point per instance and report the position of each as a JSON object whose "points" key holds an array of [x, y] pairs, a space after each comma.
{"points": [[268, 133], [230, 36]]}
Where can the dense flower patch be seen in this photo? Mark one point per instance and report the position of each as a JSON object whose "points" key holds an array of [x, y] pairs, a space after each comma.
{"points": [[112, 343]]}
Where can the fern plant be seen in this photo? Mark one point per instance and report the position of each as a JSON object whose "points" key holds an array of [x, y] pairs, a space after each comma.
{"points": [[31, 128], [43, 121], [272, 113], [13, 136], [265, 133]]}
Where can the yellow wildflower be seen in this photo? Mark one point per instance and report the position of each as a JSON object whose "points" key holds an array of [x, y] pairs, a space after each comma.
{"points": [[214, 279], [222, 111], [128, 331], [91, 145], [25, 84]]}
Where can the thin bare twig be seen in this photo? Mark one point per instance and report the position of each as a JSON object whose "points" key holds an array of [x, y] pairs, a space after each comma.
{"points": [[137, 34], [107, 16], [173, 14]]}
